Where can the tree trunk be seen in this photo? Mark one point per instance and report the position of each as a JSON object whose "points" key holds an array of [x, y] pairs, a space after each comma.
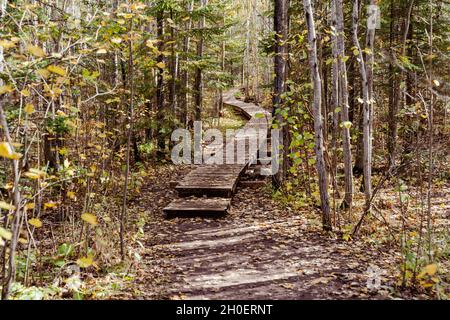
{"points": [[173, 70], [280, 66], [198, 86], [367, 138], [396, 96], [160, 85], [344, 104], [318, 124], [184, 90]]}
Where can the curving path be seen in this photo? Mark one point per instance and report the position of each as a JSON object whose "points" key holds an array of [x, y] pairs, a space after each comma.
{"points": [[212, 186]]}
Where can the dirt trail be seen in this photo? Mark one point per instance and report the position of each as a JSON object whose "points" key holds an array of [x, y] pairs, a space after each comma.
{"points": [[257, 251]]}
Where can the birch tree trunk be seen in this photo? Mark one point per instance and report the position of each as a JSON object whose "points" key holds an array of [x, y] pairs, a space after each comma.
{"points": [[17, 217], [344, 104], [335, 102], [318, 123], [367, 138]]}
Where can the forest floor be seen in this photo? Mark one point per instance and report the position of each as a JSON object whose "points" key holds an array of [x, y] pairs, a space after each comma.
{"points": [[258, 251]]}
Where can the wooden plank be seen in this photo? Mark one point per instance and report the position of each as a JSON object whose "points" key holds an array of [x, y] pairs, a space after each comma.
{"points": [[207, 190], [197, 207], [221, 180]]}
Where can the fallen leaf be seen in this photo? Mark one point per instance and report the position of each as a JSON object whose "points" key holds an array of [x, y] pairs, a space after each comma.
{"points": [[35, 222], [90, 218]]}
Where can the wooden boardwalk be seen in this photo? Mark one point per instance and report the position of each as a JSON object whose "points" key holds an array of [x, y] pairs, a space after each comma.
{"points": [[212, 186]]}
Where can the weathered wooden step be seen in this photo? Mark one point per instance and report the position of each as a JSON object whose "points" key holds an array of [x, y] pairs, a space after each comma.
{"points": [[194, 207], [211, 190]]}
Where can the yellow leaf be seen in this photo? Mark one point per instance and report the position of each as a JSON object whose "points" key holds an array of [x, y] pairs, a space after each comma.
{"points": [[430, 269], [161, 65], [25, 92], [89, 218], [44, 73], [50, 205], [63, 151], [7, 152], [347, 124], [6, 206], [85, 262], [116, 40], [61, 113], [36, 51], [29, 206], [7, 44], [35, 174], [71, 194], [101, 51], [29, 108], [5, 234], [6, 89], [35, 222], [56, 69], [8, 186]]}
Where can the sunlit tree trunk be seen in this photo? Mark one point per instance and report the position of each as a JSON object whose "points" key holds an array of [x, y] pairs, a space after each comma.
{"points": [[318, 123], [344, 103]]}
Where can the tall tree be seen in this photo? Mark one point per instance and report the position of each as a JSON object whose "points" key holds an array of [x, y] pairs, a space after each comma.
{"points": [[396, 80], [184, 87], [280, 67], [198, 86], [367, 89], [160, 80], [343, 101], [318, 122]]}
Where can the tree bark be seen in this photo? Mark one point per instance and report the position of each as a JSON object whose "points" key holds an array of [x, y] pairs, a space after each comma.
{"points": [[367, 138], [280, 67], [198, 86], [318, 124], [396, 96], [160, 84], [344, 103], [184, 90]]}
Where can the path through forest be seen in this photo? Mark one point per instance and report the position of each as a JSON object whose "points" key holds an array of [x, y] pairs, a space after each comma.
{"points": [[257, 251]]}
